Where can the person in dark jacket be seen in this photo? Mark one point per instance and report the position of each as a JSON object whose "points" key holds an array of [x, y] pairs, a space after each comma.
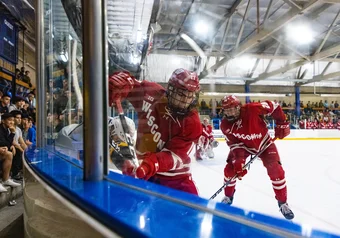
{"points": [[7, 150]]}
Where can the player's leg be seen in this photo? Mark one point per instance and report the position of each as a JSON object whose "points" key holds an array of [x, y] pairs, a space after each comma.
{"points": [[271, 160]]}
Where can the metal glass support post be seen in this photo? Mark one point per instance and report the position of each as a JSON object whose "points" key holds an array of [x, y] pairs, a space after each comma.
{"points": [[94, 76], [40, 72], [247, 90], [297, 101]]}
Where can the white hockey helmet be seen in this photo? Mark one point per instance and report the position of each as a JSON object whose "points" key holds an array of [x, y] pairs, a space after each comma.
{"points": [[116, 128]]}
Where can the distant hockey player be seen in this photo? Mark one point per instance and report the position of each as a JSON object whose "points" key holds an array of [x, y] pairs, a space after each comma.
{"points": [[247, 134], [206, 143], [168, 126]]}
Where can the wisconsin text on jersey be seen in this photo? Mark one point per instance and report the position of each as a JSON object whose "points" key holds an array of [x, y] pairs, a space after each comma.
{"points": [[153, 127]]}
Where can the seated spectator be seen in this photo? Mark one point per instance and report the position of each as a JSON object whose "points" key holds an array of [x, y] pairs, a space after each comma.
{"points": [[5, 101], [18, 103], [7, 150], [325, 104], [28, 132], [302, 124], [20, 146], [22, 73], [337, 125], [316, 124], [309, 124], [17, 74], [31, 100], [336, 104]]}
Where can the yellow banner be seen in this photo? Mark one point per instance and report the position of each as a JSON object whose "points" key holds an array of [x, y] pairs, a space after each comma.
{"points": [[7, 66]]}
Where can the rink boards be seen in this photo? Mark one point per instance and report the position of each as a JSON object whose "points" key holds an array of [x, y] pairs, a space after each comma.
{"points": [[124, 206], [318, 134]]}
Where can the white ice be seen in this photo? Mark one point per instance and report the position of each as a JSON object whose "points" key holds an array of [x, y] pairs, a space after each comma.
{"points": [[313, 182]]}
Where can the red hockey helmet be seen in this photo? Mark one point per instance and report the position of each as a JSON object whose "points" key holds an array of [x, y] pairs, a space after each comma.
{"points": [[182, 88], [231, 106], [184, 79]]}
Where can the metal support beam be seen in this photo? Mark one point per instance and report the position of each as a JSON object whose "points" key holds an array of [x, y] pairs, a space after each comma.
{"points": [[242, 25], [321, 55], [178, 38], [329, 64], [271, 60], [250, 75], [40, 72], [280, 70], [328, 33], [263, 34], [267, 12], [95, 88], [292, 4]]}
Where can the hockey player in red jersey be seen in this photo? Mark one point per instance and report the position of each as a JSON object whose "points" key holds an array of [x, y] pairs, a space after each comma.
{"points": [[168, 126], [206, 143], [247, 134]]}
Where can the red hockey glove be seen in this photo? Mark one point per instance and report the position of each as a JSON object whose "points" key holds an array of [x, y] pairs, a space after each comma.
{"points": [[120, 84], [149, 166], [282, 130], [128, 168], [238, 165]]}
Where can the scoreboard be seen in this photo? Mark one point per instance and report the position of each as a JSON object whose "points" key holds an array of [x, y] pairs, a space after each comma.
{"points": [[8, 40]]}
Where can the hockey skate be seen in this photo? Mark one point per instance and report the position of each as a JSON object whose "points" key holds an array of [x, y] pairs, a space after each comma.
{"points": [[286, 211], [227, 200]]}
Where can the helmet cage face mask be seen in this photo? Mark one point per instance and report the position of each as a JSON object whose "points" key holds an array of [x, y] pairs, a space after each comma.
{"points": [[180, 101], [116, 130], [232, 113]]}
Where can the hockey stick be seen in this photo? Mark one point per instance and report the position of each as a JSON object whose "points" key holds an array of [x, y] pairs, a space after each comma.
{"points": [[127, 136], [244, 167]]}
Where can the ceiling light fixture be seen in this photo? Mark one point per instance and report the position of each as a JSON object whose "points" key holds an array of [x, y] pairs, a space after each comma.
{"points": [[201, 28], [329, 95], [300, 33]]}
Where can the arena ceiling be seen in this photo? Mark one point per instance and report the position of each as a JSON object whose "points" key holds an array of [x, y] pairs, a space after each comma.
{"points": [[241, 41]]}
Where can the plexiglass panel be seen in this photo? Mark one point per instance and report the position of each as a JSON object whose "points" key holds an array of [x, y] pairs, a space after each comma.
{"points": [[63, 80]]}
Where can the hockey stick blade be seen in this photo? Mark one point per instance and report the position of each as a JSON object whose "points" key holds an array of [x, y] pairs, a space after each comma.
{"points": [[244, 167]]}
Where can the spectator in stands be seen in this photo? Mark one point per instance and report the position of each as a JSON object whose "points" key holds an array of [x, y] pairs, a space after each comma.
{"points": [[302, 124], [22, 73], [338, 124], [5, 101], [309, 124], [7, 150], [331, 105], [20, 146], [329, 124], [50, 86], [31, 100], [26, 78], [321, 104], [289, 105], [18, 103], [325, 104], [336, 104], [17, 74], [316, 124], [284, 104], [28, 132]]}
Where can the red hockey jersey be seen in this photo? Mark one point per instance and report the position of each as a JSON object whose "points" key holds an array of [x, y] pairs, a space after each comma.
{"points": [[250, 131], [158, 131]]}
